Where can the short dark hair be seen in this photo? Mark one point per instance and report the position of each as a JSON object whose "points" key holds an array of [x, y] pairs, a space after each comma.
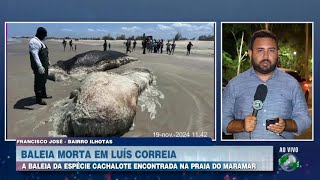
{"points": [[41, 31], [263, 34]]}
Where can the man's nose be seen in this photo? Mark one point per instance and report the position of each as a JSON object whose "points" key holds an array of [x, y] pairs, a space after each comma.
{"points": [[266, 55]]}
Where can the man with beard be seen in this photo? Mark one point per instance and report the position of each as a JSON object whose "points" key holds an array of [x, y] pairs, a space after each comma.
{"points": [[284, 100]]}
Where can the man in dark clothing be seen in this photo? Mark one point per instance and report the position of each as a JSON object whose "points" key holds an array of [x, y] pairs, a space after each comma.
{"points": [[144, 43], [161, 45], [64, 43], [105, 45], [134, 46], [144, 46], [128, 46], [39, 63], [168, 47], [173, 46], [70, 43], [189, 48]]}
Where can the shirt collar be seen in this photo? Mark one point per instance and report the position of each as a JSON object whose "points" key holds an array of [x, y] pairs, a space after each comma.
{"points": [[37, 38], [40, 41]]}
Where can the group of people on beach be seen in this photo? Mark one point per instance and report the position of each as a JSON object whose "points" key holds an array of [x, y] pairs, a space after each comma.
{"points": [[105, 44], [151, 45], [128, 46], [64, 43], [154, 46]]}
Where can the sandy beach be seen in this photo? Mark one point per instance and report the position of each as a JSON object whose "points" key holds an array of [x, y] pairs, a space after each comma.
{"points": [[186, 82]]}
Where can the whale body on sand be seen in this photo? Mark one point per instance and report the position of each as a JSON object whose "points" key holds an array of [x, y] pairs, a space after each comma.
{"points": [[88, 62], [104, 105]]}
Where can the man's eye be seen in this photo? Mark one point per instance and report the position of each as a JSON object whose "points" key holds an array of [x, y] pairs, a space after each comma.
{"points": [[272, 50]]}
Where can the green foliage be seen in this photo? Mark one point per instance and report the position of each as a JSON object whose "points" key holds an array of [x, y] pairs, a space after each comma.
{"points": [[108, 37], [121, 37], [140, 38], [310, 65], [131, 38], [292, 38], [208, 37], [179, 36], [229, 69], [287, 59], [245, 64], [230, 65]]}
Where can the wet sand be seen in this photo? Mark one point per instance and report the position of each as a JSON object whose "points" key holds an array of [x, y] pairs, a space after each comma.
{"points": [[187, 83]]}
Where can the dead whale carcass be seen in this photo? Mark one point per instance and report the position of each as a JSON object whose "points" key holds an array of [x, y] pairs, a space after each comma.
{"points": [[88, 62], [104, 105]]}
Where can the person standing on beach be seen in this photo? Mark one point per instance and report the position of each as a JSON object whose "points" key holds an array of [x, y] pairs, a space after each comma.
{"points": [[64, 43], [75, 48], [109, 46], [70, 43], [158, 46], [128, 46], [161, 45], [134, 45], [173, 46], [149, 45], [39, 63], [168, 47], [155, 45], [189, 48], [105, 45], [144, 46]]}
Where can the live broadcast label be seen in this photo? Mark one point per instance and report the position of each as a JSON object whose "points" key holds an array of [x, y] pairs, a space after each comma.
{"points": [[143, 158]]}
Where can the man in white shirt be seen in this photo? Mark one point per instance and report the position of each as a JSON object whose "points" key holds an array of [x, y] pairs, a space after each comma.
{"points": [[39, 63]]}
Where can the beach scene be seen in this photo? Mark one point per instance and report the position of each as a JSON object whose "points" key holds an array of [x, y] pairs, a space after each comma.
{"points": [[113, 80]]}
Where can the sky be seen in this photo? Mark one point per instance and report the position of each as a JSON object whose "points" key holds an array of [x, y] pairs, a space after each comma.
{"points": [[77, 30]]}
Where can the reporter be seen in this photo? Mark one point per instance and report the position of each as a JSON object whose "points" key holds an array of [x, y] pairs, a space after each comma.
{"points": [[284, 99]]}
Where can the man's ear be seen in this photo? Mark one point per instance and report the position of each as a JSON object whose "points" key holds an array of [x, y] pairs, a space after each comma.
{"points": [[250, 53]]}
